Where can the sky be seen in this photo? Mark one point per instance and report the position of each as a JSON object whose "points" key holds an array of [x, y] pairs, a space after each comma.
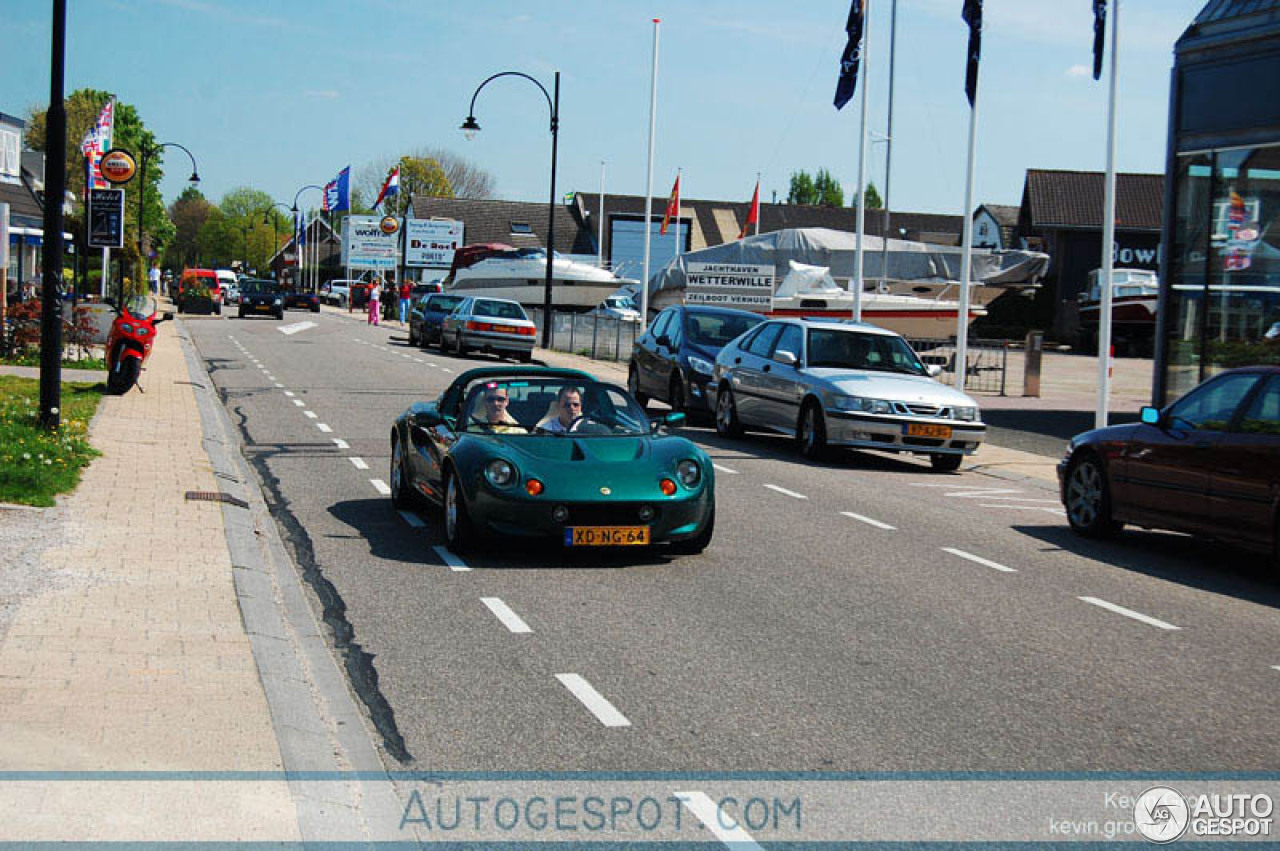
{"points": [[277, 95]]}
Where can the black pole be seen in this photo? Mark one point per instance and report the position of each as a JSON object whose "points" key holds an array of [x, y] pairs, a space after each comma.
{"points": [[142, 198], [55, 185], [551, 217]]}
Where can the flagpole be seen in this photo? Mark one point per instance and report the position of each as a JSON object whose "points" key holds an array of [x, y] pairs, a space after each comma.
{"points": [[648, 191], [679, 201], [600, 238], [1108, 235], [862, 165], [888, 147], [966, 257], [757, 203]]}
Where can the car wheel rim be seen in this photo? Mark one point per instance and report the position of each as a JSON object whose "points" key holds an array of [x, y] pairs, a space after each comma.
{"points": [[396, 478], [1084, 494], [633, 383], [451, 510], [808, 430], [722, 411]]}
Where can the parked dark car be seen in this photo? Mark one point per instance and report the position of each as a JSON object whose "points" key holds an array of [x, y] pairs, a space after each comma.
{"points": [[1208, 464], [427, 314], [674, 359], [300, 299], [258, 297]]}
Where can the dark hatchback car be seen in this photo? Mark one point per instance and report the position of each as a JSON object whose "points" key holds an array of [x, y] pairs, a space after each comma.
{"points": [[1208, 464], [676, 357], [300, 299], [426, 315], [259, 297]]}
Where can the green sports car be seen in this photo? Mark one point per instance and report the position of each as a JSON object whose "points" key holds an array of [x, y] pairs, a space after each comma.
{"points": [[552, 453]]}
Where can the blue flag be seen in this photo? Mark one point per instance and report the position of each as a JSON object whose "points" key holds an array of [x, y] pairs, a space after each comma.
{"points": [[972, 15], [848, 81], [1099, 35], [337, 192]]}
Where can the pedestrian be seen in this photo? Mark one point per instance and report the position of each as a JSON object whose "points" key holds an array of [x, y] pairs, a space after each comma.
{"points": [[375, 309], [153, 276], [406, 292]]}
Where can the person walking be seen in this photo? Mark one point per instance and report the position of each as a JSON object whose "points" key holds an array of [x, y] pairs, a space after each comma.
{"points": [[406, 292], [375, 308]]}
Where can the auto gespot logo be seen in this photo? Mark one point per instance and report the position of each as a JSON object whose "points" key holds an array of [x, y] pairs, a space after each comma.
{"points": [[117, 165], [389, 224]]}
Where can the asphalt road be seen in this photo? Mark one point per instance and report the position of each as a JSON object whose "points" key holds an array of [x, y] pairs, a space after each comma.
{"points": [[860, 614]]}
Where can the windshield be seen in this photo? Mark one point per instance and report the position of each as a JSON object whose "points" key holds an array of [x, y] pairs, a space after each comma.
{"points": [[717, 330], [855, 350], [498, 309], [551, 406], [139, 306], [620, 303], [443, 304]]}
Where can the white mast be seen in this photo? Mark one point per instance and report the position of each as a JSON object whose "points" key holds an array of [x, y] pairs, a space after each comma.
{"points": [[1108, 236], [648, 189], [600, 238], [862, 165]]}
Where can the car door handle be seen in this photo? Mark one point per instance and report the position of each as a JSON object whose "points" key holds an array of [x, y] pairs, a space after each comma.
{"points": [[766, 368], [737, 360]]}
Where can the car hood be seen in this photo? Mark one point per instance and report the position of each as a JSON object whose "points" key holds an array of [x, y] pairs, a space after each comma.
{"points": [[893, 386], [587, 450], [1110, 434]]}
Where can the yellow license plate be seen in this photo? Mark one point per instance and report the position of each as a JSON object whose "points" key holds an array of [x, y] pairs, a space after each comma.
{"points": [[918, 430], [606, 536], [505, 329]]}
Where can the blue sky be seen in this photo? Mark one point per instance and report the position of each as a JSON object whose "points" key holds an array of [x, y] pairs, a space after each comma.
{"points": [[276, 95]]}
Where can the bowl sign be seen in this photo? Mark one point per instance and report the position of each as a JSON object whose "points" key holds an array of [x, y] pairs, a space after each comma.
{"points": [[389, 224], [117, 165]]}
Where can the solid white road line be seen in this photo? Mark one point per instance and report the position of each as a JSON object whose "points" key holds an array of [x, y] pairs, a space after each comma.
{"points": [[311, 415], [1130, 613], [412, 519], [299, 402], [786, 492], [340, 443], [714, 819], [503, 613], [724, 469], [324, 428], [1057, 511], [359, 462], [380, 486], [456, 564], [869, 521], [593, 700], [979, 560], [986, 493]]}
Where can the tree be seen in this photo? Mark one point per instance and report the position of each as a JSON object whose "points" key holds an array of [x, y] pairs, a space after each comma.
{"points": [[418, 176], [872, 196], [466, 180], [802, 189], [188, 215], [830, 194]]}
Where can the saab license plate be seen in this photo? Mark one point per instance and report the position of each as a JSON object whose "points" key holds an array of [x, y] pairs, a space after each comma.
{"points": [[920, 430], [606, 536]]}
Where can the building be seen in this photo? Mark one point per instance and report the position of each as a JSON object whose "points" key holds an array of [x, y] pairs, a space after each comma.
{"points": [[1220, 281], [995, 226], [17, 189], [326, 257]]}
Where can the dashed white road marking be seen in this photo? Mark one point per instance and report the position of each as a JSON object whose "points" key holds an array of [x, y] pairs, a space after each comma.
{"points": [[278, 384], [979, 560], [412, 519], [985, 493], [324, 428], [446, 369], [456, 564], [299, 403], [869, 521], [593, 700], [295, 327], [786, 492], [359, 462], [340, 443], [311, 415], [418, 360], [503, 612], [724, 469], [380, 486], [288, 393], [1130, 613], [714, 819]]}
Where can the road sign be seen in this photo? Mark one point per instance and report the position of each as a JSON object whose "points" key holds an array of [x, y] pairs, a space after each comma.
{"points": [[106, 218]]}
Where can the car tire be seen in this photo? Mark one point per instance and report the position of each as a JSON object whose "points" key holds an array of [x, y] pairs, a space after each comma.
{"points": [[811, 432], [946, 463], [526, 357], [239, 314], [459, 349], [675, 393], [458, 531], [727, 422], [315, 308], [700, 541], [280, 315], [413, 338], [1087, 498], [401, 491], [633, 386]]}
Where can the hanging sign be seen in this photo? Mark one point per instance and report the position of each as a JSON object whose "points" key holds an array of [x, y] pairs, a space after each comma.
{"points": [[118, 166], [106, 218]]}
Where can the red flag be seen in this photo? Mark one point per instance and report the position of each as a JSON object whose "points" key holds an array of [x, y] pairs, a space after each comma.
{"points": [[753, 215], [673, 207]]}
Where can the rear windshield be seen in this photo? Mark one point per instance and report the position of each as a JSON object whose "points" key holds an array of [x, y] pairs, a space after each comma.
{"points": [[252, 287], [499, 309], [444, 304], [710, 329]]}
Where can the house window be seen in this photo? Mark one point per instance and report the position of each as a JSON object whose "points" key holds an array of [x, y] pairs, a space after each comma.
{"points": [[521, 229], [10, 158]]}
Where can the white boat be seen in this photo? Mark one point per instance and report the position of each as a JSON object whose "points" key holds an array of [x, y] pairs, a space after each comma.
{"points": [[520, 275]]}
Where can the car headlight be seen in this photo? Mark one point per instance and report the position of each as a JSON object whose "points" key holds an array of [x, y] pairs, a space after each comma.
{"points": [[861, 404], [500, 473], [701, 365], [126, 327], [967, 414], [689, 472], [278, 301]]}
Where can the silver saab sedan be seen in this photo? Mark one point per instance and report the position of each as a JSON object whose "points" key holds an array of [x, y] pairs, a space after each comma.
{"points": [[842, 383]]}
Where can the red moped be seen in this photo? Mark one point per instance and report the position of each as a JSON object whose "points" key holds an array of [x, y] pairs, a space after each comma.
{"points": [[129, 343]]}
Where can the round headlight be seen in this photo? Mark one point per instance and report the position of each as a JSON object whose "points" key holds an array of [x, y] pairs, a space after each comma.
{"points": [[689, 472], [500, 473], [126, 327], [143, 330]]}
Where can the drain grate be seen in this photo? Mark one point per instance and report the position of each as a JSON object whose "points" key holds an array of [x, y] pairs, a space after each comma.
{"points": [[215, 496]]}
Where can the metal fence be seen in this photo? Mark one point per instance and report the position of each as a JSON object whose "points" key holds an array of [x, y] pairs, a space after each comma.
{"points": [[590, 334], [987, 363]]}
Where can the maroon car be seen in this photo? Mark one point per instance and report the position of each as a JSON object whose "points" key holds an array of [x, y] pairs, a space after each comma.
{"points": [[1208, 464]]}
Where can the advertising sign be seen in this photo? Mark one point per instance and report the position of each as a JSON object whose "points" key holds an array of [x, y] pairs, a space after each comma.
{"points": [[431, 244], [739, 285], [117, 166], [106, 218], [365, 245]]}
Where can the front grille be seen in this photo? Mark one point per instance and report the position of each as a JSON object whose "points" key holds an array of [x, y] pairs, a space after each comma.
{"points": [[922, 441], [920, 409], [614, 514]]}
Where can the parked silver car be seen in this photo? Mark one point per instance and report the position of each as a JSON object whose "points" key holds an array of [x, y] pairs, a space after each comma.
{"points": [[832, 383], [489, 324]]}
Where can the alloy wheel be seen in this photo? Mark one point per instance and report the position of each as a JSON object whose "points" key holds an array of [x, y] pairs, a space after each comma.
{"points": [[1084, 494]]}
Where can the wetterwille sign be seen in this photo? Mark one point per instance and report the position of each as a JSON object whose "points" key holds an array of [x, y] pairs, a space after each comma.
{"points": [[106, 218], [740, 285]]}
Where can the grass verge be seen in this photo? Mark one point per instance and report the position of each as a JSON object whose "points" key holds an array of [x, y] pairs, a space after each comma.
{"points": [[36, 465]]}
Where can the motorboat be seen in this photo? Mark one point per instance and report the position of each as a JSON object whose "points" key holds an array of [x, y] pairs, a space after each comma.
{"points": [[1135, 296], [519, 274]]}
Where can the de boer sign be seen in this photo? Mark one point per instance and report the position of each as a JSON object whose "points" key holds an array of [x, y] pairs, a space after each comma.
{"points": [[106, 218], [430, 244]]}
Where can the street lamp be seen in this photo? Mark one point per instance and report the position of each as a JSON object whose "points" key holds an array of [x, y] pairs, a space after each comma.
{"points": [[147, 153], [470, 128], [275, 227]]}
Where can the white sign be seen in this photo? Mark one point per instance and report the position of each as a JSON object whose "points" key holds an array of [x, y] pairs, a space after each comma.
{"points": [[365, 245], [739, 285], [430, 244]]}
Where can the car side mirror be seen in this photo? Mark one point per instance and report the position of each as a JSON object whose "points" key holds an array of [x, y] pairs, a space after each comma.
{"points": [[934, 370], [785, 357], [165, 317], [427, 419], [1150, 415], [663, 340], [672, 419]]}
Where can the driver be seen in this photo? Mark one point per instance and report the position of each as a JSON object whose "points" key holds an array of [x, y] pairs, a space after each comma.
{"points": [[567, 408], [493, 413]]}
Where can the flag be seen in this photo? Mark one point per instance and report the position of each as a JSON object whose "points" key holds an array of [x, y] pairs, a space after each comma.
{"points": [[1099, 35], [753, 215], [673, 208], [337, 192], [848, 81], [96, 142], [300, 227], [391, 186], [972, 15]]}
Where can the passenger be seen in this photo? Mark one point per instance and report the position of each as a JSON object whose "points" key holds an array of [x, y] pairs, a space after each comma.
{"points": [[492, 411], [566, 409]]}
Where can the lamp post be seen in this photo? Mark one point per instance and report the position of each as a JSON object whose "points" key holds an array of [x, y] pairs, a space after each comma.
{"points": [[275, 227], [146, 153], [470, 128]]}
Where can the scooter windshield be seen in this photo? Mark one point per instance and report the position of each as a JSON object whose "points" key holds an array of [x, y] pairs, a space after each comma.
{"points": [[139, 306]]}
